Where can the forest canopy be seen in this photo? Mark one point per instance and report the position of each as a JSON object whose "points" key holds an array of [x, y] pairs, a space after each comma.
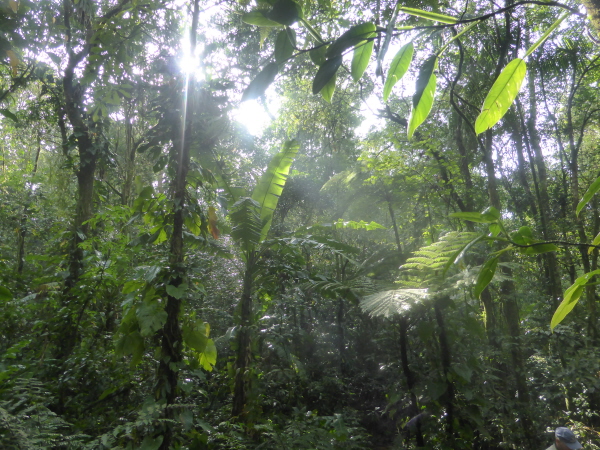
{"points": [[303, 224]]}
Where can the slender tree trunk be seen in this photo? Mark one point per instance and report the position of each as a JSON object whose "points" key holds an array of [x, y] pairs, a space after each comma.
{"points": [[410, 379], [172, 339], [22, 230], [445, 356], [244, 351]]}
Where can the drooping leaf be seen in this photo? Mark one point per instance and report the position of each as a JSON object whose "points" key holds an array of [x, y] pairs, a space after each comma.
{"points": [[194, 338], [6, 113], [360, 59], [398, 68], [540, 248], [258, 18], [284, 45], [5, 294], [285, 12], [595, 187], [351, 38], [329, 89], [502, 95], [475, 217], [325, 73], [259, 85], [317, 55], [424, 93], [596, 241], [270, 186], [212, 223], [571, 297], [485, 275], [429, 15]]}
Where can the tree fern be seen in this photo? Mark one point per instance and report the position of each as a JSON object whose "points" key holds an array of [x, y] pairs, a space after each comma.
{"points": [[389, 303]]}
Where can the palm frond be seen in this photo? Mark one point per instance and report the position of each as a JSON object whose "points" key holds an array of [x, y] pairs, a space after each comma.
{"points": [[246, 224]]}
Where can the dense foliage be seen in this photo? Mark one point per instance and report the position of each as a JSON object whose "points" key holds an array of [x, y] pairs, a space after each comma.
{"points": [[405, 256]]}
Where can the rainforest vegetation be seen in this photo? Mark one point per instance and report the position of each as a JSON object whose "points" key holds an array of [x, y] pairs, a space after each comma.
{"points": [[311, 224]]}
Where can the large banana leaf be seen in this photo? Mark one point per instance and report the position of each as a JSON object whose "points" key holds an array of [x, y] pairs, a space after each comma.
{"points": [[270, 186]]}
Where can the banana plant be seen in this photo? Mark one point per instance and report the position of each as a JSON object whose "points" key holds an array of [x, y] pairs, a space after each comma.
{"points": [[251, 218]]}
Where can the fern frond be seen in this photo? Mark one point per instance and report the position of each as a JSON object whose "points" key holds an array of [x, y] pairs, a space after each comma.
{"points": [[389, 303]]}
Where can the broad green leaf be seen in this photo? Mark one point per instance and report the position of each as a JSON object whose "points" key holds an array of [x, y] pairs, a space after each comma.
{"points": [[325, 73], [177, 291], [259, 85], [131, 344], [351, 38], [259, 19], [460, 253], [329, 89], [398, 68], [429, 15], [285, 12], [474, 217], [424, 93], [194, 338], [485, 275], [572, 295], [151, 317], [596, 241], [544, 36], [284, 45], [361, 58], [595, 187], [5, 294], [317, 55], [6, 113], [541, 248], [502, 95], [151, 443], [208, 358], [270, 186], [492, 212]]}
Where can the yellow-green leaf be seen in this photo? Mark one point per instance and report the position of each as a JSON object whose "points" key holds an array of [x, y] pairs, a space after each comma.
{"points": [[502, 95], [259, 19], [595, 187], [424, 94], [485, 275], [398, 68], [361, 58], [429, 15]]}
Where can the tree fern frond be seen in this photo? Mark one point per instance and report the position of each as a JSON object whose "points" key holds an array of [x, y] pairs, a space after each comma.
{"points": [[389, 303]]}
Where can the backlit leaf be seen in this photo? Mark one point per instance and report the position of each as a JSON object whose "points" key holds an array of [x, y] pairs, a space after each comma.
{"points": [[424, 93], [595, 187], [360, 60], [259, 85], [212, 222], [572, 295], [259, 19], [502, 95], [285, 12], [485, 275], [8, 114], [429, 15], [325, 73], [284, 45], [329, 89], [351, 38], [398, 68], [317, 55]]}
